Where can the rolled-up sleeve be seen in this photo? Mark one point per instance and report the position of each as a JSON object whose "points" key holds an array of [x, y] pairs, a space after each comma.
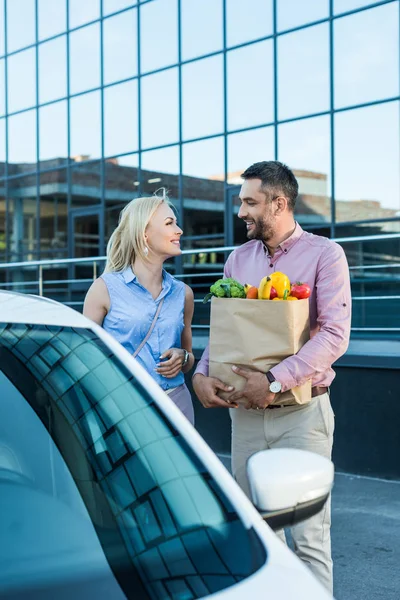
{"points": [[333, 298]]}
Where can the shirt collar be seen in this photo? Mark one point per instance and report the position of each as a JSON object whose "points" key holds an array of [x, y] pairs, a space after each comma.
{"points": [[290, 241], [129, 276]]}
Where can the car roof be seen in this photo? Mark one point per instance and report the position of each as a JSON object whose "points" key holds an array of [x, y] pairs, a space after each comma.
{"points": [[27, 308]]}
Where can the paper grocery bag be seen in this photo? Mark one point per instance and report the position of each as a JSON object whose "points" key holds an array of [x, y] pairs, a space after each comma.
{"points": [[257, 334]]}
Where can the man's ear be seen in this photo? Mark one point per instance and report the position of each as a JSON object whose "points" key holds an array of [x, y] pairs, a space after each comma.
{"points": [[281, 205]]}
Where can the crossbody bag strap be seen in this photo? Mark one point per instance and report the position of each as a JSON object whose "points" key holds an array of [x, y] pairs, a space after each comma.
{"points": [[138, 349]]}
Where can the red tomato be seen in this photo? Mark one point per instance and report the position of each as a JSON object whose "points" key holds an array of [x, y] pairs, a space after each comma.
{"points": [[273, 293], [300, 290]]}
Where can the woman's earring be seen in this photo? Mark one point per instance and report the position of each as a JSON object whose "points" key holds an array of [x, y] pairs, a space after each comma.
{"points": [[146, 251]]}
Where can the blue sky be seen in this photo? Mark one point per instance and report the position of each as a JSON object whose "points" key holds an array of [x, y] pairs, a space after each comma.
{"points": [[366, 69]]}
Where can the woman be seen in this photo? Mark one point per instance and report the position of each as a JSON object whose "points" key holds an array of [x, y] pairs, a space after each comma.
{"points": [[146, 309]]}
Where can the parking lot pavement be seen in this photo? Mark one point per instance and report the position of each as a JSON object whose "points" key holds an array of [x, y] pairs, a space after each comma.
{"points": [[365, 537]]}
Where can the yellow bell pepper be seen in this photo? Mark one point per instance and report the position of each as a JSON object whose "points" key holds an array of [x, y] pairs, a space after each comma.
{"points": [[281, 283]]}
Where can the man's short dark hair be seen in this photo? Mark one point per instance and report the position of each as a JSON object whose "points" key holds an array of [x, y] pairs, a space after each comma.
{"points": [[276, 179]]}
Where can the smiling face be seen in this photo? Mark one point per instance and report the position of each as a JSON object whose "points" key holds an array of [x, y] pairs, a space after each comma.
{"points": [[257, 211], [162, 234]]}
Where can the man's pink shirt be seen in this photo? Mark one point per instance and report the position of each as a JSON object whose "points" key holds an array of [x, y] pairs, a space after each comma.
{"points": [[322, 264]]}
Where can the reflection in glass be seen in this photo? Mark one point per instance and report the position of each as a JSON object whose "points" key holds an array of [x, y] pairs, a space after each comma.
{"points": [[367, 163], [160, 168], [200, 34], [292, 13], [83, 12], [202, 104], [53, 69], [53, 131], [203, 199], [22, 198], [250, 64], [246, 148], [52, 17], [158, 35], [2, 88], [86, 126], [21, 80], [110, 6], [85, 58], [341, 6], [2, 49], [85, 183], [22, 138], [160, 105], [305, 147], [248, 21], [20, 32], [303, 72], [120, 46], [53, 215], [120, 118], [121, 186], [361, 74], [2, 144]]}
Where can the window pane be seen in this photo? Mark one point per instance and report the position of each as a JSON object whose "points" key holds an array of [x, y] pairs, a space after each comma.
{"points": [[292, 13], [53, 215], [23, 218], [110, 6], [160, 168], [244, 107], [303, 72], [2, 88], [86, 126], [246, 148], [53, 131], [83, 12], [158, 35], [22, 138], [85, 58], [53, 70], [363, 75], [203, 193], [52, 17], [248, 21], [20, 32], [305, 147], [120, 46], [21, 80], [341, 6], [367, 146], [202, 83], [2, 144], [121, 123], [2, 50], [86, 185], [121, 186], [200, 33], [160, 107]]}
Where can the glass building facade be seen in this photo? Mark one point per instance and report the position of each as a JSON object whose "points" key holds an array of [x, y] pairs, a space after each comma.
{"points": [[105, 100]]}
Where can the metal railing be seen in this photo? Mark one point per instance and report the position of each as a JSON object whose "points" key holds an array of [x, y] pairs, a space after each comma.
{"points": [[214, 270]]}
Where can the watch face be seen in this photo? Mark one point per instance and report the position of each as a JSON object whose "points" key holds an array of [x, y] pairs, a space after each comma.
{"points": [[275, 387]]}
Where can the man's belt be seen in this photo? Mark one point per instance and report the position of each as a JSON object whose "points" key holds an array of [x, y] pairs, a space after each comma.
{"points": [[318, 390]]}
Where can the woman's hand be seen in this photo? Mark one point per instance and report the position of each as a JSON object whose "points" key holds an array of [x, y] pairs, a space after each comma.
{"points": [[171, 367]]}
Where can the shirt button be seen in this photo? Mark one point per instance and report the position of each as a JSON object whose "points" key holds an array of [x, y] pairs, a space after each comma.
{"points": [[285, 250], [271, 265]]}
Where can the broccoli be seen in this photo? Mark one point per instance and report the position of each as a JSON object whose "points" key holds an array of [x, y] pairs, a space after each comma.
{"points": [[226, 288]]}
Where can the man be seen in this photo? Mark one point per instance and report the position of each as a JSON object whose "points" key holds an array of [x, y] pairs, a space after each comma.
{"points": [[278, 243]]}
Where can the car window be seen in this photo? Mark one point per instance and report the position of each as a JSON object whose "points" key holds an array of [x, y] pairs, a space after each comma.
{"points": [[164, 525]]}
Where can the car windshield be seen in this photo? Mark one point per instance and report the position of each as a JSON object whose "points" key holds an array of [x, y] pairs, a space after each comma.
{"points": [[93, 477]]}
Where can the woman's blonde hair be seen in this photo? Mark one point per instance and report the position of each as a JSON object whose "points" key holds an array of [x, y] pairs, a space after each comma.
{"points": [[127, 241]]}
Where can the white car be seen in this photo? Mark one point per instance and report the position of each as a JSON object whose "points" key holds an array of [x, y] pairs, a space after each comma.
{"points": [[108, 492]]}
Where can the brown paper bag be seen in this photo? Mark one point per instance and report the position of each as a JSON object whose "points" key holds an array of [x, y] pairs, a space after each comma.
{"points": [[257, 334]]}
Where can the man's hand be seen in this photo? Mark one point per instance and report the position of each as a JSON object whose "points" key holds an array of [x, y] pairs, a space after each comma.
{"points": [[206, 389], [256, 391]]}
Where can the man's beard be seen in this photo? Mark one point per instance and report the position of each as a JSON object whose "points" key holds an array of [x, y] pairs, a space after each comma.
{"points": [[262, 231]]}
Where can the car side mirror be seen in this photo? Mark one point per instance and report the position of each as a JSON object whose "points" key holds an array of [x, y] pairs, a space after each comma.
{"points": [[288, 486]]}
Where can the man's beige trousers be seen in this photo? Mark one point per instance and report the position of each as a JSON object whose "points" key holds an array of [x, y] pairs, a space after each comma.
{"points": [[307, 427]]}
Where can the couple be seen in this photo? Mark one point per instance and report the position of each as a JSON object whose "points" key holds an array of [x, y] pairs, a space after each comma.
{"points": [[125, 298]]}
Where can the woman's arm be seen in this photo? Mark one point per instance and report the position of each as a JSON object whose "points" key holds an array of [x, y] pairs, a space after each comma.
{"points": [[97, 302], [186, 339]]}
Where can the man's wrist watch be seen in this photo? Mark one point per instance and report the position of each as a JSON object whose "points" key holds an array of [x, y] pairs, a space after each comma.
{"points": [[274, 386], [185, 358]]}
